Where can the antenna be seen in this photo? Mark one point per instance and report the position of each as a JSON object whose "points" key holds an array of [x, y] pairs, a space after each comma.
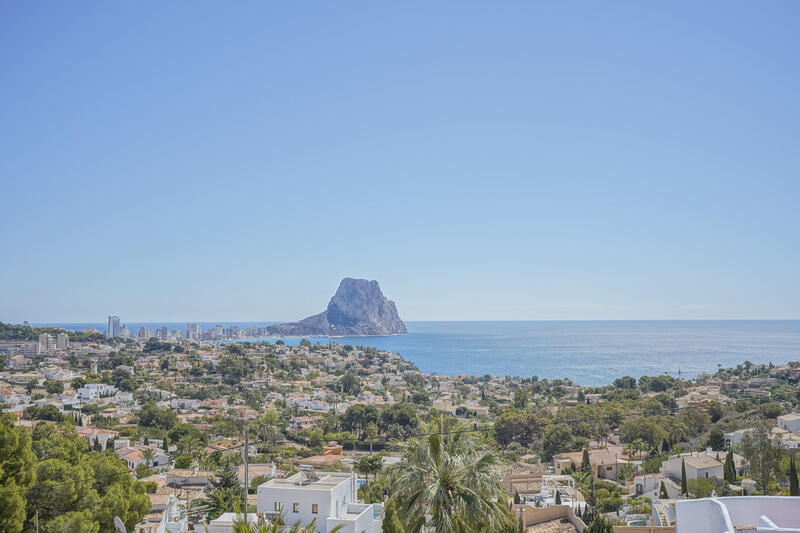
{"points": [[119, 525], [246, 457]]}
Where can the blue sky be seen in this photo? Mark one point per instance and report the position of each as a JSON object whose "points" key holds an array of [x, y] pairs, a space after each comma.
{"points": [[516, 160]]}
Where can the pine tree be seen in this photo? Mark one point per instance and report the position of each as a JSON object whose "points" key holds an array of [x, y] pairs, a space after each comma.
{"points": [[684, 489], [664, 446], [663, 494], [558, 497], [391, 522], [794, 487], [729, 470]]}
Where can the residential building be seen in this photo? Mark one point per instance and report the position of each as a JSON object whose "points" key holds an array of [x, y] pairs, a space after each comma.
{"points": [[114, 329], [790, 422], [179, 477], [134, 456], [184, 403], [93, 434], [56, 373], [26, 349], [62, 341], [254, 470], [606, 463], [697, 466], [740, 514], [224, 523], [164, 517], [734, 438], [328, 497], [47, 343], [92, 391]]}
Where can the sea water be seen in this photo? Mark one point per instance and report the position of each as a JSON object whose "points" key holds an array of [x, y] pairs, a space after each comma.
{"points": [[587, 352]]}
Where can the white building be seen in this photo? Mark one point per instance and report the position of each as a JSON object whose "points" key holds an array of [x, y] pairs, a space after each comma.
{"points": [[184, 403], [328, 497], [224, 523], [62, 341], [790, 422], [56, 373], [738, 514], [734, 438], [47, 343], [92, 391], [697, 467], [164, 517], [124, 398]]}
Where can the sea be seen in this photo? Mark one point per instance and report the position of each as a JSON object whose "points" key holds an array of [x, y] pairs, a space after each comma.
{"points": [[589, 353]]}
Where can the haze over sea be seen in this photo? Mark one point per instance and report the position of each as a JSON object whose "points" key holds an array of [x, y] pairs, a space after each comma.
{"points": [[587, 352]]}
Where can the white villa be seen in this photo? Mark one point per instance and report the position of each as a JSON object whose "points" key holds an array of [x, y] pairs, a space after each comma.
{"points": [[329, 497]]}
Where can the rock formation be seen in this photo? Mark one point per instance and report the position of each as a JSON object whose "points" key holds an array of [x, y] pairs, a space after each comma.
{"points": [[358, 308]]}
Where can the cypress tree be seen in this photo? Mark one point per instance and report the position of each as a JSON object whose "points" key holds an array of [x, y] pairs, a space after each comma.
{"points": [[664, 446], [794, 487], [600, 524], [684, 489], [520, 525], [517, 499], [663, 494], [558, 497], [729, 470], [586, 465], [165, 444], [391, 522]]}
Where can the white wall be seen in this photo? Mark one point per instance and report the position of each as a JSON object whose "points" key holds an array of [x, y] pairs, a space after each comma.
{"points": [[721, 515]]}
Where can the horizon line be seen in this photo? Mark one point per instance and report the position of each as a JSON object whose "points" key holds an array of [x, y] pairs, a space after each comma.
{"points": [[136, 321]]}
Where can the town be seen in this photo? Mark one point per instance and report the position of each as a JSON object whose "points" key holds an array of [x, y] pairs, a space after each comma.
{"points": [[176, 432]]}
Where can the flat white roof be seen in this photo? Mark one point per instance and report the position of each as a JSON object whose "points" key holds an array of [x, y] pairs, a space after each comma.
{"points": [[325, 481]]}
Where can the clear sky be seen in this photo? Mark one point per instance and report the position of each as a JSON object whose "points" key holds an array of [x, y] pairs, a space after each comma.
{"points": [[483, 160]]}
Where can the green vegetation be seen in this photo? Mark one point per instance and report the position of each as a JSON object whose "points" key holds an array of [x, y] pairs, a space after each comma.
{"points": [[11, 332], [53, 474], [450, 481]]}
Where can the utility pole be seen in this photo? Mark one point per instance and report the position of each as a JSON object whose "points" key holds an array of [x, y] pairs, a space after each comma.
{"points": [[246, 457]]}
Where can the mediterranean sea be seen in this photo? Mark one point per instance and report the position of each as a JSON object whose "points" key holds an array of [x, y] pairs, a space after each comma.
{"points": [[587, 352]]}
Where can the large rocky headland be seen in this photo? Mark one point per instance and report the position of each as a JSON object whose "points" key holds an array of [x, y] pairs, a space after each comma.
{"points": [[358, 308]]}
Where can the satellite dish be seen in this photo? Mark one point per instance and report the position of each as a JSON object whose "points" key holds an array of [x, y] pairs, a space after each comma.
{"points": [[119, 525]]}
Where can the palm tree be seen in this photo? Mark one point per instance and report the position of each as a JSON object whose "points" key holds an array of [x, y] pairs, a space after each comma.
{"points": [[148, 455], [190, 446], [450, 482], [268, 429], [239, 526]]}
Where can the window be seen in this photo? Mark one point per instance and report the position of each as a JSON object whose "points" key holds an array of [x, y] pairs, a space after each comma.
{"points": [[296, 507], [314, 508], [608, 468], [278, 506]]}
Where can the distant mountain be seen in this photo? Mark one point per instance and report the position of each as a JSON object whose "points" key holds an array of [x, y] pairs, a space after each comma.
{"points": [[358, 308]]}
